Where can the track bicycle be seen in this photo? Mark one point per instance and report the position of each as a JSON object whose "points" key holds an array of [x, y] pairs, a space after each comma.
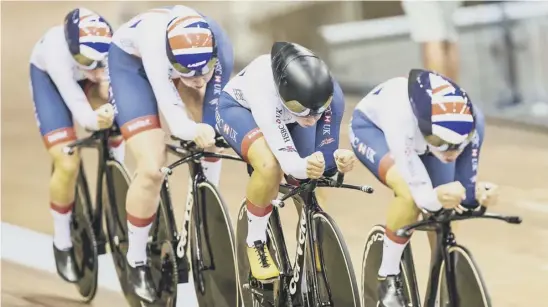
{"points": [[88, 237], [207, 228], [209, 234], [458, 284], [322, 274]]}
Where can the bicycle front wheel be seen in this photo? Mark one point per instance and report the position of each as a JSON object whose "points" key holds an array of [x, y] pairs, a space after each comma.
{"points": [[212, 251], [332, 265], [471, 289], [372, 258], [84, 241]]}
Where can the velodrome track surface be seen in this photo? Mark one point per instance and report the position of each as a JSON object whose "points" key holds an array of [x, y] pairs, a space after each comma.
{"points": [[513, 259]]}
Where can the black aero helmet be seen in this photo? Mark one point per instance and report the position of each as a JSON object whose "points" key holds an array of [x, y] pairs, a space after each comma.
{"points": [[303, 80]]}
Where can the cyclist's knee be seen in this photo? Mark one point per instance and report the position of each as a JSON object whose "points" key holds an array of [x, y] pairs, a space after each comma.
{"points": [[149, 175], [402, 210], [65, 166], [264, 162], [148, 148]]}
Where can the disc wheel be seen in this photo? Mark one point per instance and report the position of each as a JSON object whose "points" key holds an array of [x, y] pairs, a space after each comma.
{"points": [[371, 262], [212, 250], [471, 290], [334, 270]]}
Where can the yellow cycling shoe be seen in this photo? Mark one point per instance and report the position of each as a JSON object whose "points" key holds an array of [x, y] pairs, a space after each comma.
{"points": [[261, 263]]}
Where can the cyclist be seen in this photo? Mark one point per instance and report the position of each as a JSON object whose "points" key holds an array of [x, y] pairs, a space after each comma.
{"points": [[66, 80], [151, 55], [421, 136], [281, 114]]}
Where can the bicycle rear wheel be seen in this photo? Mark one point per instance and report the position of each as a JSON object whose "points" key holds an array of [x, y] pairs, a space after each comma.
{"points": [[371, 262], [332, 266], [471, 289], [212, 250]]}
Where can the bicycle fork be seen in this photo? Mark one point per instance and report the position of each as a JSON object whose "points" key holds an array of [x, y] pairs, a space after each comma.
{"points": [[445, 239]]}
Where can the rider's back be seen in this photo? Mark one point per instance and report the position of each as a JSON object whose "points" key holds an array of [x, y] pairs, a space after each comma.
{"points": [[51, 52], [255, 80], [388, 107], [148, 27]]}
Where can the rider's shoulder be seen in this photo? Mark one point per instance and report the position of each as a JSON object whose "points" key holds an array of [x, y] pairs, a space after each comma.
{"points": [[55, 35], [393, 90], [397, 84], [263, 61], [183, 10], [258, 68]]}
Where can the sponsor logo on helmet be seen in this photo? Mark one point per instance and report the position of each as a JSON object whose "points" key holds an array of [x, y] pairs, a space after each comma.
{"points": [[197, 64]]}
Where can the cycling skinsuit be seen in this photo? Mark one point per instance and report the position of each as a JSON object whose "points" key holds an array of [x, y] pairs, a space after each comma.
{"points": [[384, 132], [58, 87], [250, 108], [141, 76]]}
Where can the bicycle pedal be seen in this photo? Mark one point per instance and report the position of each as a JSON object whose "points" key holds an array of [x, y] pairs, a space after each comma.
{"points": [[101, 248], [101, 244], [183, 276]]}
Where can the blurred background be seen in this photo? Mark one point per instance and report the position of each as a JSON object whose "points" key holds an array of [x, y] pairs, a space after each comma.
{"points": [[498, 51], [501, 44]]}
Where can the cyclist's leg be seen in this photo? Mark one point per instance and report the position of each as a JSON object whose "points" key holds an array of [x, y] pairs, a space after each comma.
{"points": [[223, 69], [56, 127], [137, 116], [369, 144], [237, 126]]}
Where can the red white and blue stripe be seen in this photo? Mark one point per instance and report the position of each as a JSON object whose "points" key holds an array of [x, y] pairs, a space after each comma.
{"points": [[442, 108], [452, 118], [190, 42], [88, 34]]}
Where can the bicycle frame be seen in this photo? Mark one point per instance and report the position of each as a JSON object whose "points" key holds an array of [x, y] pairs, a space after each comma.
{"points": [[192, 157], [444, 239], [307, 236], [305, 241], [441, 223], [98, 140]]}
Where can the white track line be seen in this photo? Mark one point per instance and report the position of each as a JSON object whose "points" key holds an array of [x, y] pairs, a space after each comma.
{"points": [[34, 249]]}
